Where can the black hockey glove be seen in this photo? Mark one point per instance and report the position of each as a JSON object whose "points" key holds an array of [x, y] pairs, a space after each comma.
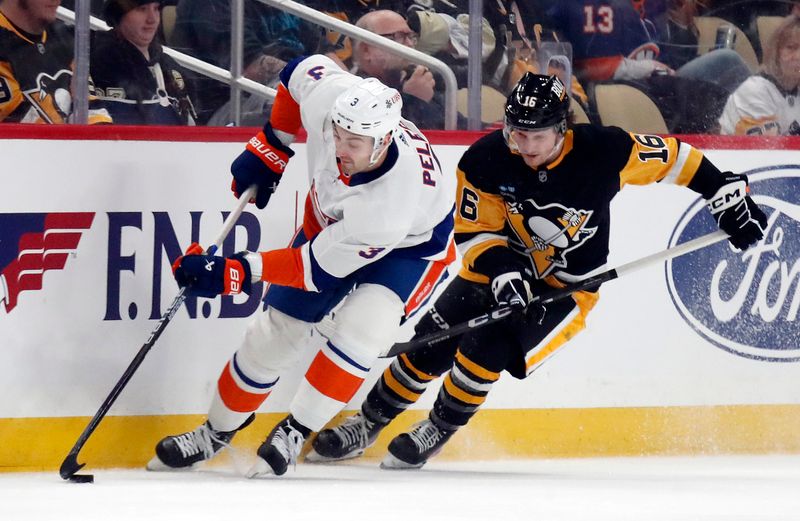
{"points": [[262, 163], [512, 290], [736, 214]]}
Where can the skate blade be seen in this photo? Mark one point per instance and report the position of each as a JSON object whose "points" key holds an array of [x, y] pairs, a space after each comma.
{"points": [[390, 462], [316, 457], [259, 468], [156, 465]]}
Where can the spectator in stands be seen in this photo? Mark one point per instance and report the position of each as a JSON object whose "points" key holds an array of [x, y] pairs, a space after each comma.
{"points": [[36, 61], [139, 83], [337, 46], [619, 40], [271, 38], [769, 102], [446, 38], [421, 102], [678, 41]]}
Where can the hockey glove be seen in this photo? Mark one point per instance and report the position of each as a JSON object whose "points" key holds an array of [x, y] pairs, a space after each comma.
{"points": [[512, 290], [209, 276], [736, 214], [262, 163]]}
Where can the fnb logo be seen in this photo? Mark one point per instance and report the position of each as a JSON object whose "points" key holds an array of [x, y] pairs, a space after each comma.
{"points": [[32, 243], [747, 302]]}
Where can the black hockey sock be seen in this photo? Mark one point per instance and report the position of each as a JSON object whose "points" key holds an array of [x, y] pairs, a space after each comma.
{"points": [[463, 392], [399, 387]]}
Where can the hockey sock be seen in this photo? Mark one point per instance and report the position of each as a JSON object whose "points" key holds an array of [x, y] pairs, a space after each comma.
{"points": [[400, 386], [331, 380], [238, 394], [463, 392]]}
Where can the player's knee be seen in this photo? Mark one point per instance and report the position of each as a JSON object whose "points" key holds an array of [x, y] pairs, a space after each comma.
{"points": [[273, 341], [367, 322]]}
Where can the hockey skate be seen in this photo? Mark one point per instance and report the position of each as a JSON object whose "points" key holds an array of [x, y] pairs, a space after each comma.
{"points": [[280, 449], [411, 450], [186, 450], [346, 441]]}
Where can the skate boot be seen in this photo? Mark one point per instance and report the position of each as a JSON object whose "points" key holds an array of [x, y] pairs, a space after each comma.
{"points": [[411, 450], [280, 449], [185, 450], [348, 440]]}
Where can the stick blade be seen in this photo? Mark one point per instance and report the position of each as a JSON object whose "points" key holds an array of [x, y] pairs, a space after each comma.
{"points": [[399, 348], [70, 466]]}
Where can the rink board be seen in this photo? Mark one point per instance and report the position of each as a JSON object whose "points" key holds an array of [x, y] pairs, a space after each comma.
{"points": [[696, 356]]}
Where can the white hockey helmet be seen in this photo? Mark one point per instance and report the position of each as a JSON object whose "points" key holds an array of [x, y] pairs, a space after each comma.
{"points": [[369, 108]]}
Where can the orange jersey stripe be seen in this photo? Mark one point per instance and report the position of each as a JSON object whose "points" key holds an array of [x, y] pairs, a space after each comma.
{"points": [[331, 380], [425, 288], [283, 267], [234, 397], [285, 114], [311, 225]]}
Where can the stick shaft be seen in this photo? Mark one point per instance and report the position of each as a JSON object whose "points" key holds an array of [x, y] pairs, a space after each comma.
{"points": [[70, 464], [502, 312]]}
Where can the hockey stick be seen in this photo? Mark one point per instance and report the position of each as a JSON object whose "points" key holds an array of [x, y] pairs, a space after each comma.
{"points": [[555, 294], [70, 465]]}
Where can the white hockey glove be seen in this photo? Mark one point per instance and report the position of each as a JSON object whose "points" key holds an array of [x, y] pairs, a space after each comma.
{"points": [[512, 290]]}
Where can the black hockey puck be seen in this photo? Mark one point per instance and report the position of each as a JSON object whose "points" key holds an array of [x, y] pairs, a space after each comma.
{"points": [[82, 478]]}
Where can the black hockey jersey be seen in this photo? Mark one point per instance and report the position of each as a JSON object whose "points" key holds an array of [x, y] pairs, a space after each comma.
{"points": [[557, 219], [137, 90], [36, 76]]}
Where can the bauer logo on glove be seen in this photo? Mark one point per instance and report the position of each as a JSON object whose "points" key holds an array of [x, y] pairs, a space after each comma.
{"points": [[209, 276]]}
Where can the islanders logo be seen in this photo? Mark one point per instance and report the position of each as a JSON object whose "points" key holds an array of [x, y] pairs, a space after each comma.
{"points": [[747, 302]]}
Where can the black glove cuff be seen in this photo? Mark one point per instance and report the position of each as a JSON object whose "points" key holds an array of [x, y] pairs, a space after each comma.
{"points": [[498, 260]]}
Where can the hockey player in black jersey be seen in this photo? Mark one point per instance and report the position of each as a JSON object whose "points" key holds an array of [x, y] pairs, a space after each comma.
{"points": [[36, 62], [532, 213]]}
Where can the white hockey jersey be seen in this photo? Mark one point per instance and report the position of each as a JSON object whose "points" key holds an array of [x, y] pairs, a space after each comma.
{"points": [[760, 107], [405, 207]]}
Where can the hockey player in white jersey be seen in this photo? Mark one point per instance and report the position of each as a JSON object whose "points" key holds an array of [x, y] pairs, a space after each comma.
{"points": [[377, 237]]}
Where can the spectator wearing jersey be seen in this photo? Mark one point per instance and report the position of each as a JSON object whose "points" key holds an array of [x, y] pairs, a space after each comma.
{"points": [[36, 65], [768, 102], [422, 103], [139, 83]]}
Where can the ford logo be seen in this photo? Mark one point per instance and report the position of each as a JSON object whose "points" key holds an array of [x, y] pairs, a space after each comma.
{"points": [[745, 302]]}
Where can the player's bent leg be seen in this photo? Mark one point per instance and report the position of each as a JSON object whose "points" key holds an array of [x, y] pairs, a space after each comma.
{"points": [[364, 326], [270, 345], [400, 386], [476, 367]]}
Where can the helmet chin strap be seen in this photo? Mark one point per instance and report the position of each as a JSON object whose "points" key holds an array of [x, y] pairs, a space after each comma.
{"points": [[555, 150]]}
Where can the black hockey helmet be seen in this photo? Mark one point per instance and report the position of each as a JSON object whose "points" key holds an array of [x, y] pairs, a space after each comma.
{"points": [[537, 102], [114, 10]]}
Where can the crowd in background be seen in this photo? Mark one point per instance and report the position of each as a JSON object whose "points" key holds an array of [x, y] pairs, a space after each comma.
{"points": [[731, 84]]}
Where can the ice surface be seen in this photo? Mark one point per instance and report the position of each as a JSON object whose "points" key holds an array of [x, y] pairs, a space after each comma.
{"points": [[655, 488]]}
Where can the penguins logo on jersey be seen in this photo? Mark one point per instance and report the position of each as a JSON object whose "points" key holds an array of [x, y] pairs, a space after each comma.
{"points": [[548, 232], [51, 99]]}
